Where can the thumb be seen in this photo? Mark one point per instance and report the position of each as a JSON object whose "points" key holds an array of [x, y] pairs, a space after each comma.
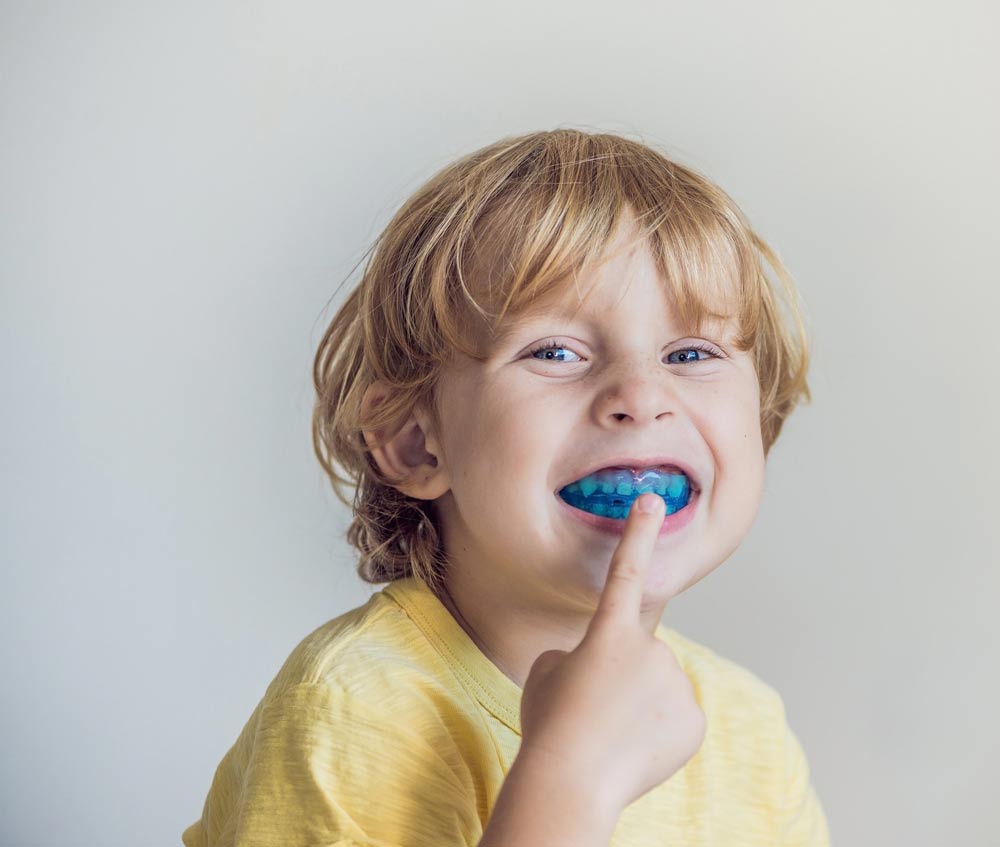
{"points": [[546, 662]]}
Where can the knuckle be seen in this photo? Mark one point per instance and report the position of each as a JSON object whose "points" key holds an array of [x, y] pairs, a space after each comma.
{"points": [[624, 571], [548, 659], [664, 655], [543, 659], [688, 685], [609, 638]]}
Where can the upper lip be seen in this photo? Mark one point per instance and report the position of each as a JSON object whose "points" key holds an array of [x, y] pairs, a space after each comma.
{"points": [[637, 462]]}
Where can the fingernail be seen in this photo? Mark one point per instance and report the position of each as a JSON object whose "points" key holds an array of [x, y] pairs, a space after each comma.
{"points": [[648, 503]]}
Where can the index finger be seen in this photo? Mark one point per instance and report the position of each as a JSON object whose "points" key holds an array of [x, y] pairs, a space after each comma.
{"points": [[621, 599]]}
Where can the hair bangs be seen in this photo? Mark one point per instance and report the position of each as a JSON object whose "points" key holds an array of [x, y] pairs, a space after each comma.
{"points": [[550, 217], [550, 222]]}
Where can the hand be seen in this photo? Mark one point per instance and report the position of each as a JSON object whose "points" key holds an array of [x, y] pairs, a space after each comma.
{"points": [[618, 712]]}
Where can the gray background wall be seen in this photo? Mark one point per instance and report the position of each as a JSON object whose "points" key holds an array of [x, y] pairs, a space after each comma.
{"points": [[183, 186]]}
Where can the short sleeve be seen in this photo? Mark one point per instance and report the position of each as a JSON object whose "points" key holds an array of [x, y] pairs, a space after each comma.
{"points": [[323, 767], [802, 821]]}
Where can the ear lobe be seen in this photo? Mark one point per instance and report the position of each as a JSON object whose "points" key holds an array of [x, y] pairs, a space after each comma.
{"points": [[403, 456]]}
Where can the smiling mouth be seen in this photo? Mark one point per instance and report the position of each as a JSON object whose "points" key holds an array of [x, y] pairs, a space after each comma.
{"points": [[609, 493]]}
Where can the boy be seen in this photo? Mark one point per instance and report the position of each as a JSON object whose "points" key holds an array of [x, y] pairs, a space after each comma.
{"points": [[553, 333]]}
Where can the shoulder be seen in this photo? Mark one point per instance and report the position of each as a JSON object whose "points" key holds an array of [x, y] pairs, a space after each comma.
{"points": [[721, 683], [750, 746], [371, 665], [355, 732], [375, 645], [745, 714]]}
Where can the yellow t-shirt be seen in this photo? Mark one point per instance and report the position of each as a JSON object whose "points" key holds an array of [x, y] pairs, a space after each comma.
{"points": [[387, 727]]}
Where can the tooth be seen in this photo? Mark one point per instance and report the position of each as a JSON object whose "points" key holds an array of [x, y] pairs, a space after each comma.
{"points": [[628, 482], [676, 485]]}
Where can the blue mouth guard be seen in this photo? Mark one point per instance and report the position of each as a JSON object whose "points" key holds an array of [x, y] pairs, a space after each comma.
{"points": [[610, 493]]}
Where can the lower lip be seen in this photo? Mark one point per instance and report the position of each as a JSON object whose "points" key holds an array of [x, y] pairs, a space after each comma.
{"points": [[671, 523]]}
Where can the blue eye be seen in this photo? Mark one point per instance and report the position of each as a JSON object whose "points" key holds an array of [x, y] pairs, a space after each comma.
{"points": [[551, 347], [710, 350], [547, 347]]}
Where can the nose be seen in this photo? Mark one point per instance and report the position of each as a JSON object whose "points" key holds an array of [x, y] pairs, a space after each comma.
{"points": [[637, 391]]}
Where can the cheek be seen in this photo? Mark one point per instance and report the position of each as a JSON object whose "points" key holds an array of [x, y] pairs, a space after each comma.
{"points": [[746, 460], [499, 450], [736, 438], [744, 416]]}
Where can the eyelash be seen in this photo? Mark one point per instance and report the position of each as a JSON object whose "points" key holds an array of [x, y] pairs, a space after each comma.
{"points": [[554, 342]]}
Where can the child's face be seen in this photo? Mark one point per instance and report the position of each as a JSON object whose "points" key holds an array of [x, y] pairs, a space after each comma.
{"points": [[517, 428]]}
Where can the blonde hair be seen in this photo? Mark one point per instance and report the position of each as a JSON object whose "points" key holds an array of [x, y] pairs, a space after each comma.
{"points": [[483, 239]]}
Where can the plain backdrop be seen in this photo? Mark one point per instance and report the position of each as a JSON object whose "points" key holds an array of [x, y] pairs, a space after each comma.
{"points": [[184, 186]]}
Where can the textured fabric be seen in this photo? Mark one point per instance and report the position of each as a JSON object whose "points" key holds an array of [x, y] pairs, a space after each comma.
{"points": [[387, 727]]}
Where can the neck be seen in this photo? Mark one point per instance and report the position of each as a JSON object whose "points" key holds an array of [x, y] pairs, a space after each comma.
{"points": [[449, 603], [511, 638]]}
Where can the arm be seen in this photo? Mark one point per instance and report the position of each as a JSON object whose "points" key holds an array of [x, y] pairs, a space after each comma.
{"points": [[604, 723], [540, 806]]}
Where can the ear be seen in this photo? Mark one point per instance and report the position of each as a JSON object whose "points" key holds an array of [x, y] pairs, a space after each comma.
{"points": [[410, 457]]}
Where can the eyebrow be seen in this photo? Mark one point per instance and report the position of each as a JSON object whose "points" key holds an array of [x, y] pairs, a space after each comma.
{"points": [[512, 326]]}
